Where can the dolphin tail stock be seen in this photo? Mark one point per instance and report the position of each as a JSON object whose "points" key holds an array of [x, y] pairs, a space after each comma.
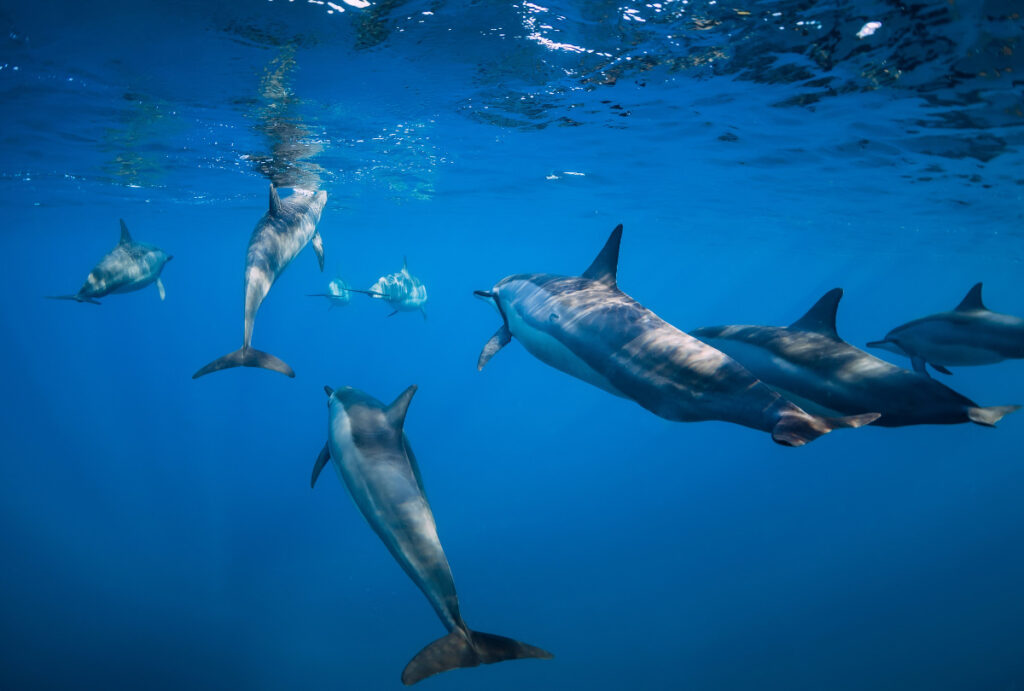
{"points": [[796, 428], [247, 357], [76, 298], [988, 417], [466, 649]]}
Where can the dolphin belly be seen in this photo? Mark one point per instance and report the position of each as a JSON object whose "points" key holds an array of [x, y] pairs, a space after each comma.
{"points": [[548, 349]]}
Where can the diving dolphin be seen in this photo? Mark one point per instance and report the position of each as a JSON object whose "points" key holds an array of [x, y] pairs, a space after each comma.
{"points": [[970, 334], [401, 290], [809, 364], [372, 455], [280, 235], [587, 327], [128, 267]]}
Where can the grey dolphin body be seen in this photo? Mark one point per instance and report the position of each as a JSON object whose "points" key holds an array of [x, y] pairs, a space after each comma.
{"points": [[808, 363], [338, 293], [401, 290], [375, 462], [279, 236], [586, 327], [970, 334], [128, 267]]}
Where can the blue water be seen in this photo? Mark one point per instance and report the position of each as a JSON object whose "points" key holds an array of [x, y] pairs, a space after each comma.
{"points": [[160, 533]]}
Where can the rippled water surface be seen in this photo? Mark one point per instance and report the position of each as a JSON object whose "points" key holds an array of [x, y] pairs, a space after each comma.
{"points": [[158, 532]]}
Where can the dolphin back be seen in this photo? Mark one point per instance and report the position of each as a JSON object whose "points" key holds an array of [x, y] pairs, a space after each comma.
{"points": [[465, 648], [247, 357], [797, 427]]}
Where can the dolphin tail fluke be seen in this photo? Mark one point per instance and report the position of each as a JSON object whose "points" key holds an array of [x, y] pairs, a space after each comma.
{"points": [[991, 415], [76, 298], [456, 650], [798, 428], [247, 357]]}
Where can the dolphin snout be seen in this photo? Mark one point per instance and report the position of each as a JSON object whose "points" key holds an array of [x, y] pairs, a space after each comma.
{"points": [[484, 294]]}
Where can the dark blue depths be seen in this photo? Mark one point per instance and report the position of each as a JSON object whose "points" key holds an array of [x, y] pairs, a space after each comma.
{"points": [[158, 532]]}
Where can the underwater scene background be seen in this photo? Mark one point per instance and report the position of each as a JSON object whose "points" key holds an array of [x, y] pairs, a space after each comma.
{"points": [[158, 532]]}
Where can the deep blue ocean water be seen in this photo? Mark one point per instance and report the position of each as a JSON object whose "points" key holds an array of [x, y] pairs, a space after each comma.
{"points": [[160, 533]]}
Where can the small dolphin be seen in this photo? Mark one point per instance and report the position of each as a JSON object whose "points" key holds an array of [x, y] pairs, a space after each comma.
{"points": [[372, 455], [338, 293], [809, 364], [279, 236], [970, 334], [128, 267], [587, 327], [401, 290]]}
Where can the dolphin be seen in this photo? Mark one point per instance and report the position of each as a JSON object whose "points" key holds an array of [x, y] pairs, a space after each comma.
{"points": [[372, 455], [809, 364], [280, 235], [338, 293], [401, 290], [128, 267], [970, 334], [587, 327]]}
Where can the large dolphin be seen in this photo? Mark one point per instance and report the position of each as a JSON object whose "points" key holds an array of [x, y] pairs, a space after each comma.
{"points": [[372, 455], [970, 334], [809, 364], [401, 290], [280, 235], [128, 267], [587, 327]]}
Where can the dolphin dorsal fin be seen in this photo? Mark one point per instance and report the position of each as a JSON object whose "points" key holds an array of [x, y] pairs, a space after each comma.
{"points": [[405, 265], [607, 262], [821, 318], [126, 237], [275, 201], [397, 410], [972, 301]]}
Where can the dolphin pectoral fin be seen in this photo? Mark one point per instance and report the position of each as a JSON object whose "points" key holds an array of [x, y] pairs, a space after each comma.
{"points": [[456, 650], [796, 428], [321, 461], [393, 313], [940, 368], [247, 357], [160, 289], [318, 247], [76, 298], [919, 365], [423, 311], [988, 417], [501, 338]]}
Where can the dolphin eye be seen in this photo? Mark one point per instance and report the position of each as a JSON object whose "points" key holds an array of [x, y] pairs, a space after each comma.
{"points": [[554, 317]]}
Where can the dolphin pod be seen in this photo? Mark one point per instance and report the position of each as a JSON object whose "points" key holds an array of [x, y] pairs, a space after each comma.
{"points": [[969, 334], [808, 363], [587, 327], [287, 227], [366, 441], [130, 266]]}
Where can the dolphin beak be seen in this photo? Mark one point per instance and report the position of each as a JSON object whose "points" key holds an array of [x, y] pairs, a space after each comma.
{"points": [[484, 294]]}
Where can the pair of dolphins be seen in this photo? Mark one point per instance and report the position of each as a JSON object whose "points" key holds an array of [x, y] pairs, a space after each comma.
{"points": [[401, 290]]}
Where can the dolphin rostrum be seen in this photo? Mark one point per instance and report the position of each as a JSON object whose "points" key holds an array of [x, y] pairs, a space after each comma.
{"points": [[401, 290], [374, 460], [587, 327], [970, 334], [280, 235], [128, 267], [808, 363]]}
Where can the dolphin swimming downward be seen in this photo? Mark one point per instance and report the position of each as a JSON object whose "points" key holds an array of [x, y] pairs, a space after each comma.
{"points": [[279, 236], [374, 460], [809, 364], [970, 334], [587, 327], [128, 267]]}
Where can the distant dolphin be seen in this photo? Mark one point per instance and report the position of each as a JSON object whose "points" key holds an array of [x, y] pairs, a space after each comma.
{"points": [[373, 457], [338, 293], [128, 267], [809, 364], [401, 290], [585, 326], [279, 236], [967, 335]]}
